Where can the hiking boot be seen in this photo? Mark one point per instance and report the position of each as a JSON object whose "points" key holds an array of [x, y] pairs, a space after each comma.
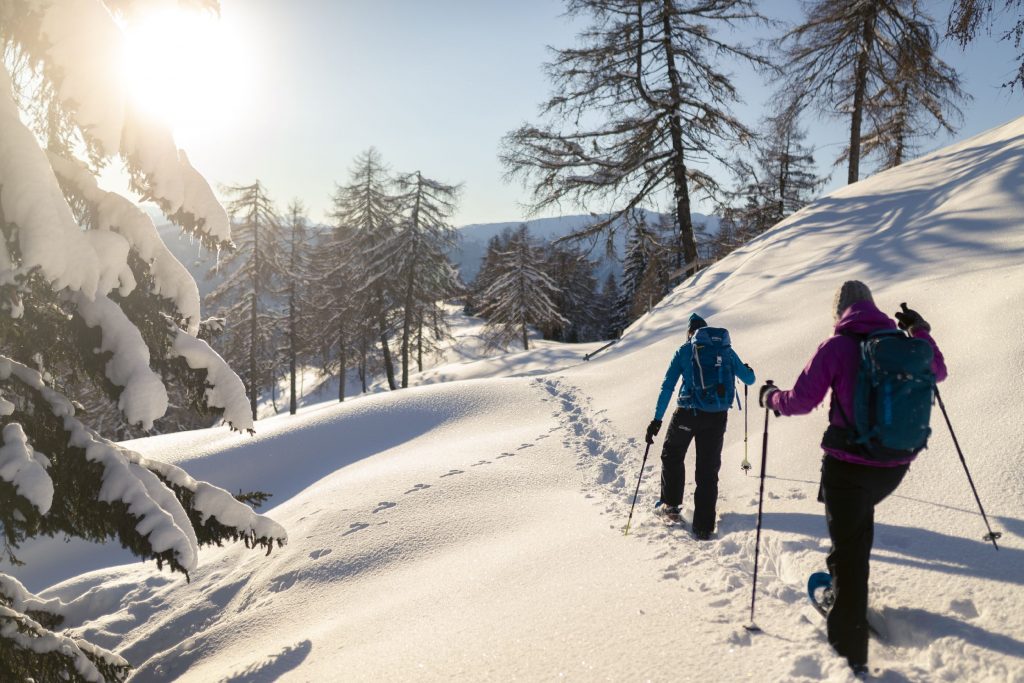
{"points": [[671, 513], [860, 671], [702, 534]]}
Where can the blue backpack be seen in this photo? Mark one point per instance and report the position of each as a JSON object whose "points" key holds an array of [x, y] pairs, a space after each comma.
{"points": [[714, 382], [894, 394]]}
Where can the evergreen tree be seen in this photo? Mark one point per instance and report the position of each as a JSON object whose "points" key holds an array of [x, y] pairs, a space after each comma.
{"points": [[576, 293], [336, 320], [606, 306], [417, 253], [367, 208], [968, 17], [296, 279], [254, 272], [88, 289], [520, 294], [640, 245], [638, 106], [852, 56]]}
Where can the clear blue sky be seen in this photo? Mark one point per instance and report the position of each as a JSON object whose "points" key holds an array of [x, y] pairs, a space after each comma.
{"points": [[435, 85]]}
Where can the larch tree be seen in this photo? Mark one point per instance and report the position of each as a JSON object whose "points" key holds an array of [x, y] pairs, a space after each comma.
{"points": [[779, 180], [520, 294], [296, 276], [254, 272], [968, 18], [639, 106], [576, 294], [417, 253], [853, 57], [367, 207], [88, 287]]}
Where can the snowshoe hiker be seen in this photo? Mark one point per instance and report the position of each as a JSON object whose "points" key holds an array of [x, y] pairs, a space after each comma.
{"points": [[860, 466], [709, 367]]}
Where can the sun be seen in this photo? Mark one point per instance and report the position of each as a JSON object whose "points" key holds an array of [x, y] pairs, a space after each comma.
{"points": [[183, 66]]}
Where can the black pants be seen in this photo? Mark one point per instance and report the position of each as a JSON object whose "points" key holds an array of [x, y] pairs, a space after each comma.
{"points": [[851, 493], [708, 430]]}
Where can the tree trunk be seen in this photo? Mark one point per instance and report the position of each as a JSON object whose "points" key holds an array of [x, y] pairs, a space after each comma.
{"points": [[362, 364], [253, 381], [681, 188], [860, 86], [419, 345], [406, 329], [293, 402], [526, 340], [389, 366], [342, 360]]}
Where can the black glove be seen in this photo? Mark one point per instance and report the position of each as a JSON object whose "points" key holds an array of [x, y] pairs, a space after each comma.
{"points": [[652, 430], [911, 321], [767, 389]]}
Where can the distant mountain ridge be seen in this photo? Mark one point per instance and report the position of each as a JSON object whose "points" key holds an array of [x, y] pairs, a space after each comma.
{"points": [[473, 239]]}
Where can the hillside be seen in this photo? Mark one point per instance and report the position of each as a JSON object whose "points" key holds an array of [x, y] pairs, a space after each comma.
{"points": [[471, 530]]}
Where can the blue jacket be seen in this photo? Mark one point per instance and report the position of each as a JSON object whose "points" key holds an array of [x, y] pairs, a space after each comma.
{"points": [[682, 365]]}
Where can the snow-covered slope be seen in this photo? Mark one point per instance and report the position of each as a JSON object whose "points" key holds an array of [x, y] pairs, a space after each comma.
{"points": [[472, 530]]}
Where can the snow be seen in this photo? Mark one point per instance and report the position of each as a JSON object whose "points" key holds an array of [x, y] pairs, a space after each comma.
{"points": [[48, 236], [113, 212], [224, 388], [472, 530], [22, 466], [144, 398]]}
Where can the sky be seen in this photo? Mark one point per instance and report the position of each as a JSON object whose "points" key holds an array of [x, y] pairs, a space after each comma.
{"points": [[290, 92]]}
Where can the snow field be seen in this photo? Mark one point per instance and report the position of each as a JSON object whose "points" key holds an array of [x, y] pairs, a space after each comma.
{"points": [[472, 530]]}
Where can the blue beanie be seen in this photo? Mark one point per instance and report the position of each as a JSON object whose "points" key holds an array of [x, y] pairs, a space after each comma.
{"points": [[696, 322]]}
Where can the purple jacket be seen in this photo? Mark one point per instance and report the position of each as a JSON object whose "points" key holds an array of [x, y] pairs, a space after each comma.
{"points": [[835, 365]]}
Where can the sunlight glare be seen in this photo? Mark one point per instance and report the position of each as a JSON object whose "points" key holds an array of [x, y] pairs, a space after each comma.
{"points": [[183, 67]]}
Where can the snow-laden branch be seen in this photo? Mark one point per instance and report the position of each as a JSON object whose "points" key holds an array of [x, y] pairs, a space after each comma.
{"points": [[24, 468], [225, 389], [83, 48], [28, 634], [144, 397], [114, 212], [142, 485], [48, 236]]}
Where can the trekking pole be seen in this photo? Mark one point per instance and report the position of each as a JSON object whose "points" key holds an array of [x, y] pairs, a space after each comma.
{"points": [[745, 465], [637, 493], [760, 506], [991, 535]]}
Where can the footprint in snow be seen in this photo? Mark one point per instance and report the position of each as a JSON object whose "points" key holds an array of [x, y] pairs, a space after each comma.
{"points": [[452, 473], [482, 462], [418, 487], [505, 455], [317, 554], [526, 445], [356, 526], [383, 505]]}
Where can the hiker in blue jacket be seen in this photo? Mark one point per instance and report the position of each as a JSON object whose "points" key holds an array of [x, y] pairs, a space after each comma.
{"points": [[709, 367]]}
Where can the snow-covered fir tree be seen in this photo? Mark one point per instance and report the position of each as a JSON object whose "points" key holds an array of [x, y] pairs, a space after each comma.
{"points": [[520, 294], [639, 105], [87, 287], [335, 314], [417, 253], [244, 299], [640, 244], [575, 299], [846, 57]]}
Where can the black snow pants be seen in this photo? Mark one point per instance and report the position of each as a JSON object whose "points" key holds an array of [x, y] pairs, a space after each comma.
{"points": [[851, 493], [708, 430]]}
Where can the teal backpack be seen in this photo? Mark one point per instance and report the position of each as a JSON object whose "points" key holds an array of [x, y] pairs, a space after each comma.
{"points": [[894, 395], [714, 382]]}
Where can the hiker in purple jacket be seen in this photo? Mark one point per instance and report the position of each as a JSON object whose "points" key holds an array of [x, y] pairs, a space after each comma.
{"points": [[852, 484]]}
